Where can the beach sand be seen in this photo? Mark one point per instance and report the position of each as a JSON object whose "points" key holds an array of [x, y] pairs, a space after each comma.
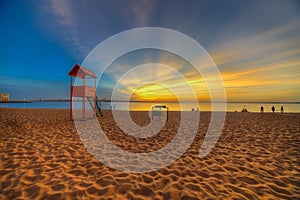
{"points": [[42, 157]]}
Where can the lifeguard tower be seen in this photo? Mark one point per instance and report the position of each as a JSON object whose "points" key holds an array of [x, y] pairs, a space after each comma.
{"points": [[83, 91]]}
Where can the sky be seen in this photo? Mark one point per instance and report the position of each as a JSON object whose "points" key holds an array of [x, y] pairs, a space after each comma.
{"points": [[255, 45]]}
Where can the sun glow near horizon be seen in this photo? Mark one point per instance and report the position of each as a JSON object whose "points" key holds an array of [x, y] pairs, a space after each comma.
{"points": [[153, 92]]}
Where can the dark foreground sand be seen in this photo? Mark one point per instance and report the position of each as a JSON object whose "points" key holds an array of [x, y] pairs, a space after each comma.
{"points": [[42, 157]]}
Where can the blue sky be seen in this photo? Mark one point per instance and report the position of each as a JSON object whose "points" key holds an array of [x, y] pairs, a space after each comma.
{"points": [[255, 44]]}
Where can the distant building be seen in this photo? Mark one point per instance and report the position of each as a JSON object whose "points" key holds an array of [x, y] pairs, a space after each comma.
{"points": [[4, 97]]}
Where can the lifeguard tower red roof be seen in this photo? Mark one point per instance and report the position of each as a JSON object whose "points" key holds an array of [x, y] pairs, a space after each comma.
{"points": [[81, 72]]}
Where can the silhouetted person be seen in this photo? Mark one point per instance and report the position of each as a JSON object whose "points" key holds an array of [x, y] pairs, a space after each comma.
{"points": [[273, 109], [281, 109], [262, 109]]}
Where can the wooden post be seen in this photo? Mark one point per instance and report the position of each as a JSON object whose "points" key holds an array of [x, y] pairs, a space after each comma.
{"points": [[83, 101], [95, 99], [71, 95], [159, 113], [167, 113], [152, 113]]}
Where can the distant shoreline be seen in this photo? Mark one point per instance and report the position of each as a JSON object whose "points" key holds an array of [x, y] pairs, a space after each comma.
{"points": [[17, 101], [102, 100], [170, 111]]}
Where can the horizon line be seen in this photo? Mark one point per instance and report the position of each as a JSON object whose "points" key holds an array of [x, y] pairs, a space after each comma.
{"points": [[141, 101]]}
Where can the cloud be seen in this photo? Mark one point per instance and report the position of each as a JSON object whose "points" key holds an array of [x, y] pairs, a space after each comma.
{"points": [[138, 13], [58, 20], [265, 63], [79, 25], [62, 10]]}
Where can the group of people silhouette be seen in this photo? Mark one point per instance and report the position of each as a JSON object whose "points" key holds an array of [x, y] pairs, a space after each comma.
{"points": [[273, 109], [262, 109]]}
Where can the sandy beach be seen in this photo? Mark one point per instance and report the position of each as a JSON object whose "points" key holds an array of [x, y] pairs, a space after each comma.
{"points": [[42, 157]]}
